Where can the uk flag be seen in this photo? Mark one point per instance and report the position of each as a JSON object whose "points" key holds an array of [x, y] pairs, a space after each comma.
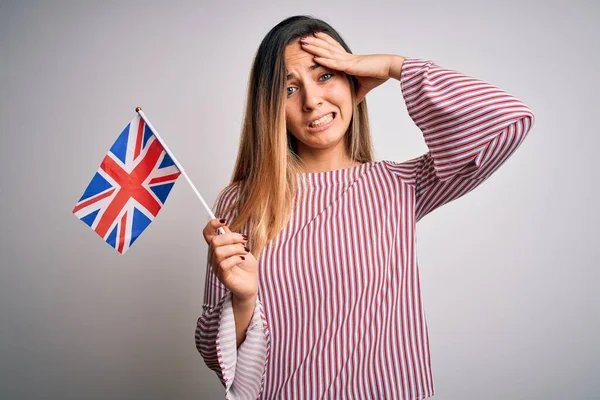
{"points": [[129, 188]]}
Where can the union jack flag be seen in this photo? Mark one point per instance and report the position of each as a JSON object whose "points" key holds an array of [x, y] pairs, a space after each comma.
{"points": [[129, 188]]}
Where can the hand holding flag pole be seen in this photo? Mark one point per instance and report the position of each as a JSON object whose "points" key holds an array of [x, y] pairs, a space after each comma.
{"points": [[131, 185]]}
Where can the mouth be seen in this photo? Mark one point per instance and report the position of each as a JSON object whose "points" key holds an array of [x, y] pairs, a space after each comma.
{"points": [[322, 123]]}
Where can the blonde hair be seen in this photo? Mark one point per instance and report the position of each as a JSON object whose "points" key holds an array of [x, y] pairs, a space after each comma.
{"points": [[267, 161]]}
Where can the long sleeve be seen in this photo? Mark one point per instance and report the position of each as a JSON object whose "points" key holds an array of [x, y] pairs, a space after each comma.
{"points": [[470, 128], [240, 370]]}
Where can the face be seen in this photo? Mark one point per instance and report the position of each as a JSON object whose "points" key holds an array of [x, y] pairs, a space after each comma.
{"points": [[318, 104]]}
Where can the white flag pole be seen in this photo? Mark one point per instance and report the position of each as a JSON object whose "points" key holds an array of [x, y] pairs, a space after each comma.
{"points": [[141, 113]]}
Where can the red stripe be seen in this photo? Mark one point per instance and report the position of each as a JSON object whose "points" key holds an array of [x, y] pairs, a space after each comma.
{"points": [[92, 200], [122, 232], [140, 138], [165, 178], [130, 187]]}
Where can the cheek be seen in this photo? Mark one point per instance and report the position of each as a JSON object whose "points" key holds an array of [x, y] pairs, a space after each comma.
{"points": [[288, 112], [342, 95]]}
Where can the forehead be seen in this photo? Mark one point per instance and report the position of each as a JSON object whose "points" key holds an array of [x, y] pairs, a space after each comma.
{"points": [[295, 57]]}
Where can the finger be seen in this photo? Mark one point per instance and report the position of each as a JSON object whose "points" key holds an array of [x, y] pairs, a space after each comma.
{"points": [[230, 262], [330, 63], [226, 239], [324, 36], [326, 58], [327, 49], [212, 226], [229, 250], [235, 247]]}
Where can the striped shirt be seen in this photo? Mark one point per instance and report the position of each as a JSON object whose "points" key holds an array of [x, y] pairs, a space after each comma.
{"points": [[339, 311]]}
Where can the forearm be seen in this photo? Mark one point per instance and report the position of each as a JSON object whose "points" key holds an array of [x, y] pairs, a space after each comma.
{"points": [[470, 126], [242, 312], [395, 67]]}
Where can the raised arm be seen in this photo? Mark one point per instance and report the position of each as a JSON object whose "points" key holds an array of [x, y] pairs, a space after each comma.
{"points": [[470, 128]]}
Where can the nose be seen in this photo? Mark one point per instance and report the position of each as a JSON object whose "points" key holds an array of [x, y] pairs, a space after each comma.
{"points": [[312, 97]]}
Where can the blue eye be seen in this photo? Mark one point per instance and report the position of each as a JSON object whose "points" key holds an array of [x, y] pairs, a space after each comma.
{"points": [[327, 76]]}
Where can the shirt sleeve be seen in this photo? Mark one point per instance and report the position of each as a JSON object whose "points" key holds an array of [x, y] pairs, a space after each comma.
{"points": [[470, 129], [240, 370]]}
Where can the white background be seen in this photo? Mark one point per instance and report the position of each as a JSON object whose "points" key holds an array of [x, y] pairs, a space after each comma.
{"points": [[509, 271]]}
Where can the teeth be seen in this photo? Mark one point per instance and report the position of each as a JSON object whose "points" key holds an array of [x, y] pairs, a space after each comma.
{"points": [[323, 120]]}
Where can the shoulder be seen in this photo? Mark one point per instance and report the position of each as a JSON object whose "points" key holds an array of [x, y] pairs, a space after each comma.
{"points": [[226, 198], [405, 171], [230, 191]]}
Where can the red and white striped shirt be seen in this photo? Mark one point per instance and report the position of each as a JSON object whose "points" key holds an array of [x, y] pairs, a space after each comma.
{"points": [[339, 311]]}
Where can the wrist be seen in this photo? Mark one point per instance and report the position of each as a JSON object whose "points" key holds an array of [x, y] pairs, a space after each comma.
{"points": [[395, 66], [243, 302]]}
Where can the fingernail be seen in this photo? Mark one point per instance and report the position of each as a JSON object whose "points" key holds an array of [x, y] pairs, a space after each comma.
{"points": [[247, 249], [242, 257], [245, 237], [222, 220]]}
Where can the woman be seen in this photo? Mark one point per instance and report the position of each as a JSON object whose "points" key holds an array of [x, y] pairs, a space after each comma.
{"points": [[336, 309]]}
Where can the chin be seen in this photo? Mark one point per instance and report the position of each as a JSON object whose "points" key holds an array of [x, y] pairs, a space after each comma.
{"points": [[324, 140]]}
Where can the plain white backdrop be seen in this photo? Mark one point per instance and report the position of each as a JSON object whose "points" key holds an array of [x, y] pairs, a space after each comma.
{"points": [[509, 271]]}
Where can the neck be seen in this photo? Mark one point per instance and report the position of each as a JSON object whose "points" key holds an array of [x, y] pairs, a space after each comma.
{"points": [[327, 159], [328, 164]]}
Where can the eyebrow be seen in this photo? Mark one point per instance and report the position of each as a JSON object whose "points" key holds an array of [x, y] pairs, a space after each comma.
{"points": [[312, 68]]}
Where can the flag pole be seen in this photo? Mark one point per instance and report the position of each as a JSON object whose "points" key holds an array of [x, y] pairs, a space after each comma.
{"points": [[164, 145]]}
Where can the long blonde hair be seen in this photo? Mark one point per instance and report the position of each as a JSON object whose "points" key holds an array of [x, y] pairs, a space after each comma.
{"points": [[267, 161]]}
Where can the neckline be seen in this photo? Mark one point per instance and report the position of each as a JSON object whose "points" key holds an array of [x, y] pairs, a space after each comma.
{"points": [[335, 176]]}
